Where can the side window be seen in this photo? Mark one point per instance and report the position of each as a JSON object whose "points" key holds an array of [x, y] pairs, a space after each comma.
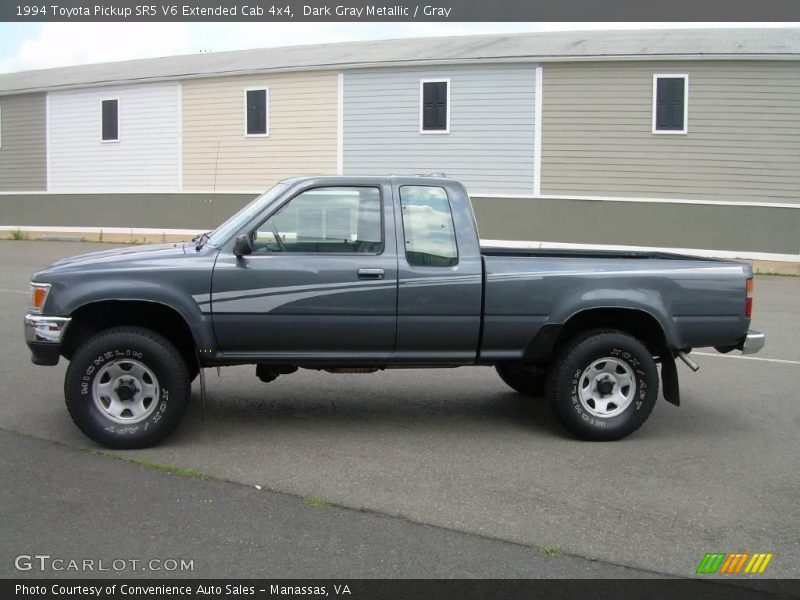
{"points": [[334, 219], [670, 94], [110, 120], [256, 112], [434, 108], [428, 228]]}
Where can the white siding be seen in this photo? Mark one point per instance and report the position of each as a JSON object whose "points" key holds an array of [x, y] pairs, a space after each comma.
{"points": [[147, 156]]}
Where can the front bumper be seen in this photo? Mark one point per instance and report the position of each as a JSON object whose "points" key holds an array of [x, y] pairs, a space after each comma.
{"points": [[44, 335], [752, 342]]}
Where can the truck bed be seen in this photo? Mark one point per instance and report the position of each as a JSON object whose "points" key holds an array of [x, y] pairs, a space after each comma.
{"points": [[698, 301]]}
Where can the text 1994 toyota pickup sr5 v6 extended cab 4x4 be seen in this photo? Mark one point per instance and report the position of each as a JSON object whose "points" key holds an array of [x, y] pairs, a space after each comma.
{"points": [[352, 274]]}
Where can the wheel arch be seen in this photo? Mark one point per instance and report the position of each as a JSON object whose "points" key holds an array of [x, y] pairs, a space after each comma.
{"points": [[94, 316], [638, 322]]}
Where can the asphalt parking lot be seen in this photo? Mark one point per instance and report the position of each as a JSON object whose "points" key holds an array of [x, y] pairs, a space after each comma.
{"points": [[458, 451]]}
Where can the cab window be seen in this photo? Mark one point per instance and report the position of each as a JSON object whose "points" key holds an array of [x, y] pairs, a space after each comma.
{"points": [[342, 220], [430, 239]]}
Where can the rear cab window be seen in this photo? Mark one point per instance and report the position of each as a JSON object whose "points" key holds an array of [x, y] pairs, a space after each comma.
{"points": [[428, 229]]}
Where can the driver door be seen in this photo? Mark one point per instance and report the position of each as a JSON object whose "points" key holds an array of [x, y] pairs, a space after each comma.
{"points": [[321, 280]]}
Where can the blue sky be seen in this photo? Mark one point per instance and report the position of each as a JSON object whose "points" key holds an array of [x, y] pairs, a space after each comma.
{"points": [[26, 46]]}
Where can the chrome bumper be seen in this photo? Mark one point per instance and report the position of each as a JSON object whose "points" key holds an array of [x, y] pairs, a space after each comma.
{"points": [[753, 342], [50, 330]]}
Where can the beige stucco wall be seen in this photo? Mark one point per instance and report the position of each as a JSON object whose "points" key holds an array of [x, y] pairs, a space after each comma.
{"points": [[743, 140], [302, 130]]}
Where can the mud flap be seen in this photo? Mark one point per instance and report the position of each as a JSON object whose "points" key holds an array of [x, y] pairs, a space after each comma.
{"points": [[669, 380]]}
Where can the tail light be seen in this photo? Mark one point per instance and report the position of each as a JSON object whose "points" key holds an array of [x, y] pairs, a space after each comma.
{"points": [[748, 303]]}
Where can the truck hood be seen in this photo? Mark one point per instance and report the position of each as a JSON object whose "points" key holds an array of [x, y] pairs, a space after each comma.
{"points": [[132, 253]]}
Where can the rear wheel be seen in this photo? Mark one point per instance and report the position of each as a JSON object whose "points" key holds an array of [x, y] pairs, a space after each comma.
{"points": [[604, 385], [530, 380], [127, 387]]}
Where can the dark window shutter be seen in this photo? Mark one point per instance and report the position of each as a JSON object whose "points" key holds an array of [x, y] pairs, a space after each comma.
{"points": [[434, 106], [256, 112], [669, 103], [110, 119]]}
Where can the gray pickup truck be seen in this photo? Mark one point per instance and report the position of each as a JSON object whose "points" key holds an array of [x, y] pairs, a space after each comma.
{"points": [[357, 274]]}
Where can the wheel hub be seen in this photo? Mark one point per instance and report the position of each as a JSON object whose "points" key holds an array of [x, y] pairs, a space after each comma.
{"points": [[127, 389], [606, 387]]}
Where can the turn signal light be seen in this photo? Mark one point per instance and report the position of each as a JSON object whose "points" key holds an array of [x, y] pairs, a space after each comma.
{"points": [[39, 293], [748, 303]]}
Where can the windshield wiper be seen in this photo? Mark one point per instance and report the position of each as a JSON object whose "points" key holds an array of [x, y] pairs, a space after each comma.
{"points": [[201, 239]]}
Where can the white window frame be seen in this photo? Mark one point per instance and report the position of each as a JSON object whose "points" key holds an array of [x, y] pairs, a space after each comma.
{"points": [[685, 78], [422, 130], [119, 121], [259, 88]]}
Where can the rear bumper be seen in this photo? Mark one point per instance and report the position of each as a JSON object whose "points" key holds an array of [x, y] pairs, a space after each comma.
{"points": [[43, 336], [752, 342]]}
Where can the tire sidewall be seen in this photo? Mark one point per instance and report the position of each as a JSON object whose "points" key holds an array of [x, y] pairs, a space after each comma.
{"points": [[105, 348], [621, 348]]}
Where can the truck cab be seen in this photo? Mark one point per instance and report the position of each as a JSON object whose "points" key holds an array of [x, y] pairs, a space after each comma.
{"points": [[359, 268]]}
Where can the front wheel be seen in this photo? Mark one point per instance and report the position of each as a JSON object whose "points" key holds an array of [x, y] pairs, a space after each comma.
{"points": [[604, 385], [127, 387]]}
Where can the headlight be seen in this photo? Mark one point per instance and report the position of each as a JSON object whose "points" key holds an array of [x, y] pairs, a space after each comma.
{"points": [[39, 292]]}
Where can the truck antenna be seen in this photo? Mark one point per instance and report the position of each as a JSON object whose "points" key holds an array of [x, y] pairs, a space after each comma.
{"points": [[214, 187]]}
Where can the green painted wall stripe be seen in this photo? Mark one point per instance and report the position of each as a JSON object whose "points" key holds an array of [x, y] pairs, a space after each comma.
{"points": [[713, 227]]}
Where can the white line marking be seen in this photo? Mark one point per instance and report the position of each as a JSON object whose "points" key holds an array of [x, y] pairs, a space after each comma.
{"points": [[13, 292], [775, 360]]}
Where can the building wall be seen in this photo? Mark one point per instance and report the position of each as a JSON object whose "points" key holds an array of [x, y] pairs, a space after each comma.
{"points": [[147, 155], [490, 147], [302, 130], [23, 163], [743, 140]]}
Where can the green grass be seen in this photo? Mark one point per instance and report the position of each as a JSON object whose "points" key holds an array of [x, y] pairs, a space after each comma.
{"points": [[549, 550], [18, 234], [773, 274], [148, 464], [318, 502], [179, 471]]}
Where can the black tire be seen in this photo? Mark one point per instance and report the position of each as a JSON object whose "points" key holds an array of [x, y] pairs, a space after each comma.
{"points": [[529, 380], [580, 363], [160, 369]]}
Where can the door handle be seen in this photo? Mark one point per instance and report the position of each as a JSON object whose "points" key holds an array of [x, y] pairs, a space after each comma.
{"points": [[370, 274]]}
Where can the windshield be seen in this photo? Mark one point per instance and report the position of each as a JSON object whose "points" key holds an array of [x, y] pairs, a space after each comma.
{"points": [[221, 234]]}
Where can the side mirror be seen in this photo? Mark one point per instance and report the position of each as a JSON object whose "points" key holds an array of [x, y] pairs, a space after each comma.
{"points": [[242, 245]]}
